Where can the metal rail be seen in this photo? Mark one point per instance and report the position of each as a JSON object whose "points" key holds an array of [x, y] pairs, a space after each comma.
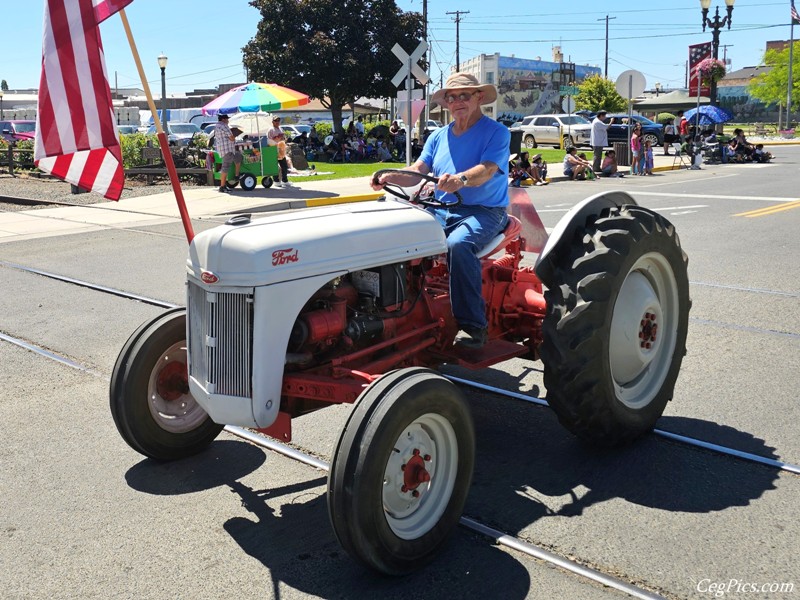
{"points": [[784, 466], [495, 535]]}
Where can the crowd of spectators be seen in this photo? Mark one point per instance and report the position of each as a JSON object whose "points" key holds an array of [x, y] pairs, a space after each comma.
{"points": [[355, 144]]}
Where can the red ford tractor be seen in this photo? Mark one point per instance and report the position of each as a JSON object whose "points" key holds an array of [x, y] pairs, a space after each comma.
{"points": [[296, 311]]}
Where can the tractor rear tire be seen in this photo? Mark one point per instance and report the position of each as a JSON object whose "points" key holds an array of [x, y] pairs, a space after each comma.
{"points": [[401, 471], [149, 396], [616, 323]]}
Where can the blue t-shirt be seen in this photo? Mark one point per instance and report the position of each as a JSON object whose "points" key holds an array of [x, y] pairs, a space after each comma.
{"points": [[487, 140]]}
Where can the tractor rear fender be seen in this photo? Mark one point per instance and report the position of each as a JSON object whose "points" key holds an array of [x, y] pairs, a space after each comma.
{"points": [[565, 230]]}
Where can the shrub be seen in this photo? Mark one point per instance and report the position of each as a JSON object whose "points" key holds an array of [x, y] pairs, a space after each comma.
{"points": [[323, 129], [132, 145]]}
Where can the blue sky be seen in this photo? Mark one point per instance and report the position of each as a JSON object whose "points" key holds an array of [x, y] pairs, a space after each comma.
{"points": [[203, 40]]}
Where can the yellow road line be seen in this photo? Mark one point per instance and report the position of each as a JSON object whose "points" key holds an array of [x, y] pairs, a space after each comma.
{"points": [[770, 210], [343, 199]]}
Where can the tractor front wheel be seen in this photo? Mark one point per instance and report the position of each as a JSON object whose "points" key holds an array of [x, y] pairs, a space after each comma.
{"points": [[616, 323], [401, 471], [149, 394]]}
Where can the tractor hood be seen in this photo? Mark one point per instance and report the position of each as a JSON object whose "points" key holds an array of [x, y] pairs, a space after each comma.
{"points": [[306, 243]]}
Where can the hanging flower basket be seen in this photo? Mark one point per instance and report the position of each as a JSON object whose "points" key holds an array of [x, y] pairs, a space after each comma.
{"points": [[710, 71]]}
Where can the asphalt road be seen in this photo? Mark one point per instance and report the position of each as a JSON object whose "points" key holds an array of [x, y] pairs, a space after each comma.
{"points": [[84, 516]]}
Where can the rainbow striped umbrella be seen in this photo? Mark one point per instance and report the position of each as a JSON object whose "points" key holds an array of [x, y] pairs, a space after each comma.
{"points": [[254, 97]]}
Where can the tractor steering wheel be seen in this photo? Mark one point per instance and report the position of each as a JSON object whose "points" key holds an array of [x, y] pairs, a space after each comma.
{"points": [[418, 196]]}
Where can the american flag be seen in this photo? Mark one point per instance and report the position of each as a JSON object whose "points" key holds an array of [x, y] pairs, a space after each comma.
{"points": [[697, 54], [795, 16], [76, 135]]}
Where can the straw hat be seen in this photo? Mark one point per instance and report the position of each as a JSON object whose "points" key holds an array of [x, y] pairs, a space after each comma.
{"points": [[465, 81]]}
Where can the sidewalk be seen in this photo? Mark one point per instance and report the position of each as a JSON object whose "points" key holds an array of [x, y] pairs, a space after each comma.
{"points": [[201, 202]]}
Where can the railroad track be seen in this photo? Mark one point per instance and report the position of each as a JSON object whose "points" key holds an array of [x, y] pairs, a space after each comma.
{"points": [[474, 524]]}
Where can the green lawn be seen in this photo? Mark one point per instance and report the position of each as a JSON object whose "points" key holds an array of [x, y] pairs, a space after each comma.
{"points": [[344, 170], [364, 169]]}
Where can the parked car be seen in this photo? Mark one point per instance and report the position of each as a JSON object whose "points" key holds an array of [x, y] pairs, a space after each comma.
{"points": [[292, 131], [551, 129], [207, 126], [17, 130], [178, 134], [127, 129], [618, 132], [433, 125]]}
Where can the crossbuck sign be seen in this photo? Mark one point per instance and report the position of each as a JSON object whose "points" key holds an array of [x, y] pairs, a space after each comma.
{"points": [[409, 69], [410, 66]]}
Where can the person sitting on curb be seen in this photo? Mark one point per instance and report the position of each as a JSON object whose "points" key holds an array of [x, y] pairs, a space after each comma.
{"points": [[760, 155], [574, 167], [520, 169], [539, 170], [610, 167], [590, 174]]}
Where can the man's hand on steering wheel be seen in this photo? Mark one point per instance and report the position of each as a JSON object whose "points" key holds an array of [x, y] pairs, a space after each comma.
{"points": [[382, 179], [450, 183]]}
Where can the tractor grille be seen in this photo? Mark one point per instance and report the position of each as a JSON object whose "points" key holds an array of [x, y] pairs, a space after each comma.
{"points": [[221, 340]]}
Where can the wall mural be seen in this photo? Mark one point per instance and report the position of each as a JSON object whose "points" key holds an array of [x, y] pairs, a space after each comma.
{"points": [[528, 87]]}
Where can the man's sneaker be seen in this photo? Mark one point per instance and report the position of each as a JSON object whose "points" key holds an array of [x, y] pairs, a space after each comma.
{"points": [[472, 337], [224, 189]]}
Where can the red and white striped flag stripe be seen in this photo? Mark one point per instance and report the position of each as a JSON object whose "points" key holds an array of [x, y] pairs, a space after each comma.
{"points": [[105, 8], [795, 16], [76, 135]]}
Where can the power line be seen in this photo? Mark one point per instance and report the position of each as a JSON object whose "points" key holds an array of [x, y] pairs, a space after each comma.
{"points": [[633, 37]]}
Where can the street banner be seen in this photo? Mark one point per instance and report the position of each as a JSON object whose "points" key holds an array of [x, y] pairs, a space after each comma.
{"points": [[697, 54], [76, 135]]}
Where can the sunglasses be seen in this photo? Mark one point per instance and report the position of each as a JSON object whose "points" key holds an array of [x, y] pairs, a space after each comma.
{"points": [[462, 97]]}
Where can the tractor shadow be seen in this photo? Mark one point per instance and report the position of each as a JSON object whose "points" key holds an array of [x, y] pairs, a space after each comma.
{"points": [[529, 467], [286, 528]]}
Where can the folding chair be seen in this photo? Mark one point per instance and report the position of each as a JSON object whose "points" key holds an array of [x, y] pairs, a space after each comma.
{"points": [[680, 158]]}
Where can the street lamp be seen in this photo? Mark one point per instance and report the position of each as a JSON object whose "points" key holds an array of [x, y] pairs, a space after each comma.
{"points": [[715, 26], [1, 104], [658, 89], [162, 62]]}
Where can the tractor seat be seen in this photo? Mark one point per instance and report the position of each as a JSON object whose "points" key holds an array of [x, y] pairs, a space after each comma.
{"points": [[511, 232]]}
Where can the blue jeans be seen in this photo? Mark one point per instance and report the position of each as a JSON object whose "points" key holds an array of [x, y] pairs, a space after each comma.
{"points": [[468, 230]]}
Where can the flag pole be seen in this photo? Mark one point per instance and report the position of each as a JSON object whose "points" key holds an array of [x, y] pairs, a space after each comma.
{"points": [[791, 65], [162, 137]]}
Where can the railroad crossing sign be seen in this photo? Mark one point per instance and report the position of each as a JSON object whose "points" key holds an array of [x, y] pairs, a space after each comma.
{"points": [[410, 66]]}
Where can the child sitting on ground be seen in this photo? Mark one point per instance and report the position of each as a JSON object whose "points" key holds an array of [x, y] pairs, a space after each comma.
{"points": [[538, 170], [610, 167], [760, 155]]}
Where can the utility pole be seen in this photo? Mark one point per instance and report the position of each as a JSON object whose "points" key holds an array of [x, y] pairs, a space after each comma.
{"points": [[458, 14], [426, 60], [606, 19], [725, 54]]}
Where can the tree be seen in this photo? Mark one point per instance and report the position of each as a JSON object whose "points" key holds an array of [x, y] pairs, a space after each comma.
{"points": [[771, 86], [332, 50], [598, 93], [4, 85]]}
